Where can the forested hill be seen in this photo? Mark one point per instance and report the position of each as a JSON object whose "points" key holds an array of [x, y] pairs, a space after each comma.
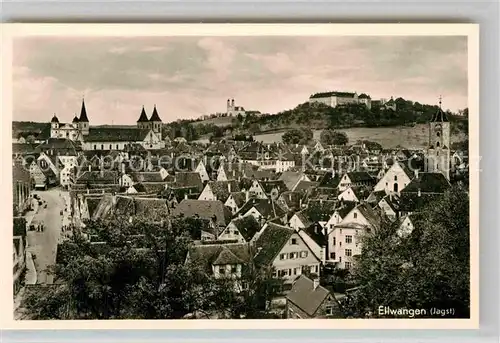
{"points": [[318, 115]]}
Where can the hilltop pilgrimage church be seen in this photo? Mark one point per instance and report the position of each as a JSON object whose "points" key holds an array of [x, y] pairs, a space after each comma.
{"points": [[147, 133]]}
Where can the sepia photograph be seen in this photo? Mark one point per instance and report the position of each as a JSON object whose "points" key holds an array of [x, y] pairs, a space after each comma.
{"points": [[242, 176]]}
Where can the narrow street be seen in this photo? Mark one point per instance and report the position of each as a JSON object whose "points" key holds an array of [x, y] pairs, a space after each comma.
{"points": [[43, 245]]}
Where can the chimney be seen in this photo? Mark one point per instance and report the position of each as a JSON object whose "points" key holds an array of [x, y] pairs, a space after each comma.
{"points": [[315, 282], [300, 203], [247, 195], [123, 168], [419, 193], [185, 196], [416, 173], [229, 187], [90, 167]]}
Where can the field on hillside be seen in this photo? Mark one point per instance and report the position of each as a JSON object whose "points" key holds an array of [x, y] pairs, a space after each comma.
{"points": [[389, 137], [221, 121]]}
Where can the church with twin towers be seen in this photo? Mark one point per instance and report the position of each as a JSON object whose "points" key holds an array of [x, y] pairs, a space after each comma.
{"points": [[147, 133]]}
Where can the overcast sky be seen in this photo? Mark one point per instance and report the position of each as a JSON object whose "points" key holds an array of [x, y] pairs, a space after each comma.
{"points": [[187, 77]]}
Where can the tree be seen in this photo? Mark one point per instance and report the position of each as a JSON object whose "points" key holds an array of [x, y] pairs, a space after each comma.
{"points": [[296, 136], [332, 137], [137, 270], [427, 269]]}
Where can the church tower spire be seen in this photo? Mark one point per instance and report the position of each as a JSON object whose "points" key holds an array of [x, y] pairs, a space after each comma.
{"points": [[83, 121], [438, 150]]}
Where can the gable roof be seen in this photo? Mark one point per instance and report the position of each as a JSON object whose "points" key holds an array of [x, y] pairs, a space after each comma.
{"points": [[371, 215], [303, 186], [410, 202], [290, 178], [104, 177], [92, 204], [305, 296], [329, 181], [188, 179], [116, 134], [247, 226], [315, 231], [207, 255], [268, 208], [360, 176], [127, 206], [239, 198], [427, 183], [268, 186], [145, 177], [204, 209], [221, 188], [270, 243], [304, 218]]}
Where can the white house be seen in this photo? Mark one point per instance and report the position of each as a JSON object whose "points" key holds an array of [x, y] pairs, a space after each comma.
{"points": [[200, 169], [395, 179], [344, 241], [257, 191]]}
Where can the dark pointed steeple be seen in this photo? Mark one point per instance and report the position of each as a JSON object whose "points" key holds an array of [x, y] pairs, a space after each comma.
{"points": [[155, 116], [75, 119], [440, 115], [143, 118], [54, 119], [83, 113]]}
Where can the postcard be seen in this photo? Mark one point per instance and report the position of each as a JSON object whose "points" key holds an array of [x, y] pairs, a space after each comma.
{"points": [[240, 176]]}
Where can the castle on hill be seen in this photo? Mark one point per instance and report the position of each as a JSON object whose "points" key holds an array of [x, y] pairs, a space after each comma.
{"points": [[147, 133]]}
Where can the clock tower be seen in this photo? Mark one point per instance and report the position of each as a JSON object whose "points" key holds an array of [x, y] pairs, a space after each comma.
{"points": [[438, 150]]}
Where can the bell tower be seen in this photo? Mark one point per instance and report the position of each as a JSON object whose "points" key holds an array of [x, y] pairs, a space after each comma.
{"points": [[438, 150]]}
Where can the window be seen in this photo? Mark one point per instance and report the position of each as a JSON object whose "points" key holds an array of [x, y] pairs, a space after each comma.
{"points": [[340, 258], [395, 187], [102, 146], [332, 255], [348, 265], [348, 239], [437, 144], [233, 269], [395, 178], [282, 256], [294, 241], [329, 310], [117, 147], [438, 133], [222, 270], [355, 215], [95, 146], [348, 252], [303, 254], [110, 147], [294, 255], [316, 268], [334, 240]]}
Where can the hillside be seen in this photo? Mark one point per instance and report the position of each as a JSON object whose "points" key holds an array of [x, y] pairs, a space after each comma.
{"points": [[219, 121], [389, 137]]}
